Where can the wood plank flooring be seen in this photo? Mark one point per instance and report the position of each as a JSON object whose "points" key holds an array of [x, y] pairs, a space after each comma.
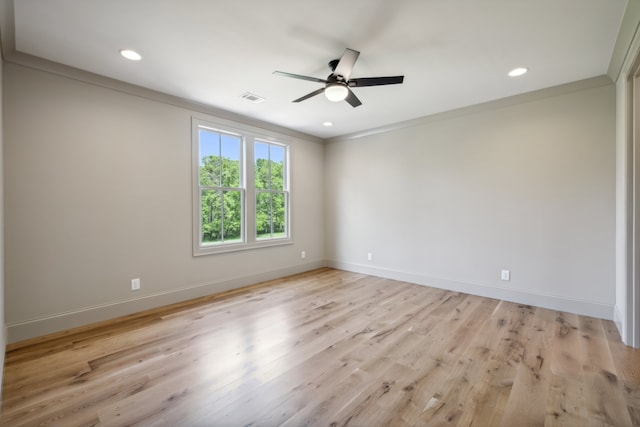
{"points": [[329, 348]]}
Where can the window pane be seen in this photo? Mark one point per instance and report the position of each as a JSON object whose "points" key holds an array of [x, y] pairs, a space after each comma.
{"points": [[277, 167], [209, 158], [263, 215], [261, 154], [232, 216], [211, 214], [230, 147], [279, 215]]}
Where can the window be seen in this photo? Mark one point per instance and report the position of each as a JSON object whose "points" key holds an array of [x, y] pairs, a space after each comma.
{"points": [[241, 189], [221, 190], [271, 190]]}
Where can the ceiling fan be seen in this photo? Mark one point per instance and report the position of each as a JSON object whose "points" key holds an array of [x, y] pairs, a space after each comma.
{"points": [[337, 84]]}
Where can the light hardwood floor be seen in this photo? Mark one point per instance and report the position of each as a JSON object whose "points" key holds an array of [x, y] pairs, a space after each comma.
{"points": [[329, 348]]}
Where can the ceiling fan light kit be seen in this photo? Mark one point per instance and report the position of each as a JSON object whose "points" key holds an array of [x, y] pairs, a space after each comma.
{"points": [[336, 92], [338, 85]]}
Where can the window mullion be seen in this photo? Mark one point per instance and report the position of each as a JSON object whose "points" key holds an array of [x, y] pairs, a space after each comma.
{"points": [[271, 207], [250, 191], [222, 213]]}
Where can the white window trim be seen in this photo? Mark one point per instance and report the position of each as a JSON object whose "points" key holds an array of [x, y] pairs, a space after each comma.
{"points": [[249, 135]]}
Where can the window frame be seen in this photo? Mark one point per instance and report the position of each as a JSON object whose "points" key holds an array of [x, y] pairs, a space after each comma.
{"points": [[248, 137]]}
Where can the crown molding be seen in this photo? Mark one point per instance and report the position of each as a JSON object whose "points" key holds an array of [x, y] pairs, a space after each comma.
{"points": [[577, 86]]}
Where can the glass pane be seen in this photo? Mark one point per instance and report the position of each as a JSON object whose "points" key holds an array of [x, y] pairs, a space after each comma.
{"points": [[263, 215], [209, 158], [211, 216], [232, 216], [277, 167], [261, 154], [230, 146], [279, 207]]}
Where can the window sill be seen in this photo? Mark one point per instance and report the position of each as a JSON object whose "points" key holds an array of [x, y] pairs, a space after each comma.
{"points": [[237, 247]]}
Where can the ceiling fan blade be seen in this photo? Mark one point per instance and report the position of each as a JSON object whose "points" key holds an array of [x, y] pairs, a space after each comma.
{"points": [[352, 99], [309, 95], [376, 81], [346, 63], [298, 76]]}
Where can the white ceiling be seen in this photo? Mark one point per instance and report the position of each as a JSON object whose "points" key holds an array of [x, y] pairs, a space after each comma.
{"points": [[453, 53]]}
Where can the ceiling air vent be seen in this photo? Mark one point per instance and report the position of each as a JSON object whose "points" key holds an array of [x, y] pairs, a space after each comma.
{"points": [[252, 97]]}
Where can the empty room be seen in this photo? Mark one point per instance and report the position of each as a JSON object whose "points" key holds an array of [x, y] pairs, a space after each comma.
{"points": [[363, 213]]}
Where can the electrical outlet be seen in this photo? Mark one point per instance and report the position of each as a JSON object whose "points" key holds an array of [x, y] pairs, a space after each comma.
{"points": [[369, 256], [505, 275], [135, 284], [303, 255]]}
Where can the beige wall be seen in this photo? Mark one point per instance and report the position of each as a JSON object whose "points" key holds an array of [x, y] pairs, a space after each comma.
{"points": [[526, 185], [98, 191]]}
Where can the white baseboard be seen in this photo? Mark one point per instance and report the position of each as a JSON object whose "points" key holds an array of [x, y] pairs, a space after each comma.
{"points": [[62, 321], [618, 320], [32, 328], [553, 302]]}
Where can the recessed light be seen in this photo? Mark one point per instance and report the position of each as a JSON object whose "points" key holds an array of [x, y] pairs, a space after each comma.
{"points": [[518, 72], [131, 54], [327, 124]]}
